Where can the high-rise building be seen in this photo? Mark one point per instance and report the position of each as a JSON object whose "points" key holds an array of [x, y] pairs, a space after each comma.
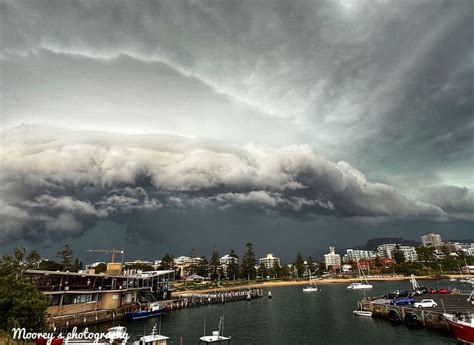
{"points": [[386, 251], [332, 259], [356, 255], [270, 261], [431, 239]]}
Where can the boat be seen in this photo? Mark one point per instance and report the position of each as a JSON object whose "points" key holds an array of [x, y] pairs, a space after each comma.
{"points": [[462, 326], [312, 287], [363, 284], [217, 336], [453, 280], [149, 310], [152, 339], [362, 313], [270, 295]]}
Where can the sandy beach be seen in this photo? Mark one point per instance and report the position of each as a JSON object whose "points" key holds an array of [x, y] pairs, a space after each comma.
{"points": [[321, 281]]}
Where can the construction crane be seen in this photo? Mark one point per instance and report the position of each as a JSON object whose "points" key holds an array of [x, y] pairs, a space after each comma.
{"points": [[112, 251]]}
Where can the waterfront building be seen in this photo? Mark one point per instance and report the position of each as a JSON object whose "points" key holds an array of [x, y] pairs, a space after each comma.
{"points": [[356, 255], [184, 264], [270, 261], [431, 240], [71, 293], [332, 259], [227, 260], [386, 251]]}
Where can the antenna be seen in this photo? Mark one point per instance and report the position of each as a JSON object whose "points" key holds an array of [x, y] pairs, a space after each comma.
{"points": [[204, 327]]}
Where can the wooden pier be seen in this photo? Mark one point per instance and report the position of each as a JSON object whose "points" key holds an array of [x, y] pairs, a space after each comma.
{"points": [[456, 302], [194, 299]]}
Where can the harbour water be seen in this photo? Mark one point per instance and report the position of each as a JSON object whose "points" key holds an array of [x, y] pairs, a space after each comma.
{"points": [[294, 317]]}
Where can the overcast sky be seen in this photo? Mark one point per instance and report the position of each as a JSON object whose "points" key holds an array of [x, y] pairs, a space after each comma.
{"points": [[170, 125]]}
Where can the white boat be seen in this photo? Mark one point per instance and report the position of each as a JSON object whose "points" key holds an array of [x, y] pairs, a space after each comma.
{"points": [[453, 280], [363, 284], [217, 336], [362, 313], [152, 339], [312, 287]]}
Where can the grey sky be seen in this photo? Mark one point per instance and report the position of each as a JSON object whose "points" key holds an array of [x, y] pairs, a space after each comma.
{"points": [[352, 114]]}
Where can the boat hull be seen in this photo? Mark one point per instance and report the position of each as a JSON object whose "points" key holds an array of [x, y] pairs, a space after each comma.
{"points": [[462, 332], [143, 314]]}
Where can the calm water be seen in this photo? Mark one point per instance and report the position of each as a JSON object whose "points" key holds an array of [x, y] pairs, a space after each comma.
{"points": [[294, 317]]}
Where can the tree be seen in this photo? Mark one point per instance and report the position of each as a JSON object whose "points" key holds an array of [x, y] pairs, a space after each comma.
{"points": [[21, 303], [65, 255], [233, 266], [262, 271], [167, 262], [77, 265], [214, 264], [425, 254], [33, 259], [398, 255], [299, 265], [50, 265], [247, 269], [203, 267]]}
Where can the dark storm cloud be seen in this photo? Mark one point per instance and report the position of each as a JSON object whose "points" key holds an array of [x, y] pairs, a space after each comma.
{"points": [[387, 84], [61, 182]]}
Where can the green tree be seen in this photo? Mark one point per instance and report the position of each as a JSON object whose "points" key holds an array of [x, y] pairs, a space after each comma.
{"points": [[284, 272], [247, 268], [299, 265], [214, 264], [21, 303], [65, 256], [50, 265], [233, 266], [262, 271], [167, 262], [425, 254], [398, 255], [203, 267], [33, 260]]}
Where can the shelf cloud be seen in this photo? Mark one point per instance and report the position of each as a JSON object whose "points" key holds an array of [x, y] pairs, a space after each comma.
{"points": [[61, 182]]}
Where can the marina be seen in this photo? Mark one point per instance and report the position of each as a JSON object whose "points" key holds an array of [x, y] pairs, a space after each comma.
{"points": [[295, 317]]}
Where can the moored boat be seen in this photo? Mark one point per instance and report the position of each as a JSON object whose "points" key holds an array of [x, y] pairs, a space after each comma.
{"points": [[312, 287], [363, 284], [462, 326], [151, 309], [362, 313], [152, 339], [217, 336]]}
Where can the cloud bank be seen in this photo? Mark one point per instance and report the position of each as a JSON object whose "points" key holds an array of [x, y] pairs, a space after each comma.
{"points": [[59, 182]]}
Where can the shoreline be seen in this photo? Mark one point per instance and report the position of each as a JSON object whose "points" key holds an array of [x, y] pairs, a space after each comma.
{"points": [[320, 281]]}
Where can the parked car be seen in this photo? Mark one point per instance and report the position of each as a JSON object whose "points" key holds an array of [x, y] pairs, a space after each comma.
{"points": [[422, 289], [426, 303], [392, 295], [416, 292], [443, 291], [402, 301], [406, 293], [433, 290]]}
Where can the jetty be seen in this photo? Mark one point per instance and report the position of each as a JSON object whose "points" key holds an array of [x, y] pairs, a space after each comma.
{"points": [[182, 301], [457, 301]]}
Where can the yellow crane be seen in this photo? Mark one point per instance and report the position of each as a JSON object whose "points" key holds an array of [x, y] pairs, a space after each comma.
{"points": [[112, 251]]}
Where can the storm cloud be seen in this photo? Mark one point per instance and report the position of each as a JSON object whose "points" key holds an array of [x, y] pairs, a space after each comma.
{"points": [[60, 182]]}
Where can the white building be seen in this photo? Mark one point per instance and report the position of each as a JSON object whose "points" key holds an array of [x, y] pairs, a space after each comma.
{"points": [[332, 259], [431, 239], [270, 261], [227, 259], [183, 264], [356, 255], [386, 251]]}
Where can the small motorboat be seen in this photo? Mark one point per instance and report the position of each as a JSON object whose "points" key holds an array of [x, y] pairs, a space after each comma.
{"points": [[152, 339], [217, 336], [151, 309], [362, 313]]}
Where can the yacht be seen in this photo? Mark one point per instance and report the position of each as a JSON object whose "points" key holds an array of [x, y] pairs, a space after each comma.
{"points": [[363, 284], [217, 337], [312, 287]]}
